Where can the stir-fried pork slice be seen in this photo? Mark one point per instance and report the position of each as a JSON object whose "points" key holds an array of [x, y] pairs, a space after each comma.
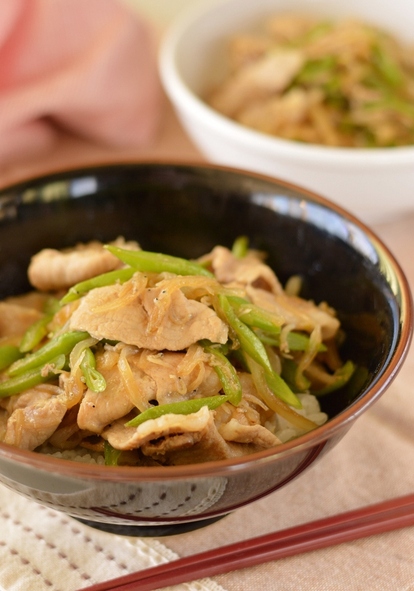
{"points": [[36, 395], [34, 418], [276, 114], [255, 434], [299, 313], [16, 319], [106, 313], [52, 270], [242, 423], [250, 409], [205, 446], [124, 438], [99, 409], [171, 377], [141, 377], [246, 48], [271, 73], [184, 439], [33, 299], [174, 439], [68, 435], [248, 270]]}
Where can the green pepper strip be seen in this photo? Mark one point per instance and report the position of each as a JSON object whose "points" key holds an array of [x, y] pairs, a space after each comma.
{"points": [[34, 334], [254, 316], [111, 454], [186, 407], [295, 341], [61, 344], [154, 262], [313, 69], [275, 403], [249, 342], [226, 373], [240, 247], [93, 378], [110, 278], [51, 306], [313, 33], [9, 354], [32, 378], [268, 324], [289, 374], [279, 388], [340, 378], [254, 348], [388, 68]]}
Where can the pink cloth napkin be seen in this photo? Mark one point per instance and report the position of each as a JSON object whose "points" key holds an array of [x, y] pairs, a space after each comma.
{"points": [[85, 66]]}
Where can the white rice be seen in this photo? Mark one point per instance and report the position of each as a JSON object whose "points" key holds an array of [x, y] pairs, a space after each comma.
{"points": [[285, 431], [78, 455]]}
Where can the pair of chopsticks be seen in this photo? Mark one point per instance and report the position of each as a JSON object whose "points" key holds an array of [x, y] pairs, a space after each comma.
{"points": [[352, 525]]}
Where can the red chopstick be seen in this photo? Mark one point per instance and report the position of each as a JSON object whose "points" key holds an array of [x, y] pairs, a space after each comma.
{"points": [[352, 525]]}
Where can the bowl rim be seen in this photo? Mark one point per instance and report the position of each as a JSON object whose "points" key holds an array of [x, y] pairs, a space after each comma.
{"points": [[308, 441], [188, 103]]}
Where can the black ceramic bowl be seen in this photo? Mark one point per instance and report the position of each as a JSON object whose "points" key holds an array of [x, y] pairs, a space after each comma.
{"points": [[185, 210]]}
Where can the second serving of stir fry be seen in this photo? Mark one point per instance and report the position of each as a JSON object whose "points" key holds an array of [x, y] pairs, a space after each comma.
{"points": [[337, 83], [149, 359]]}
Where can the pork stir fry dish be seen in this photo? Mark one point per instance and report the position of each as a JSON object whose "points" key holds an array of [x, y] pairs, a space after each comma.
{"points": [[143, 358], [343, 83]]}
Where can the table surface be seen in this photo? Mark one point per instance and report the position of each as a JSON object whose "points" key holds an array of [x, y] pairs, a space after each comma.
{"points": [[373, 462]]}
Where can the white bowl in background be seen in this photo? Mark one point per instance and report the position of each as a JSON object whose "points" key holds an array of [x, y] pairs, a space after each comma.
{"points": [[375, 184]]}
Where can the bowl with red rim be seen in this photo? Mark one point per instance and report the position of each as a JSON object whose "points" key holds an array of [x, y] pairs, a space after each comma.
{"points": [[185, 210]]}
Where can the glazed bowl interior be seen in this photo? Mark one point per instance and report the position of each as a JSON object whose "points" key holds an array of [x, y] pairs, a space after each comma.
{"points": [[186, 210]]}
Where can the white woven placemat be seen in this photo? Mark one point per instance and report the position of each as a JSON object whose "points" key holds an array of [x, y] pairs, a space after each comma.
{"points": [[44, 550]]}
